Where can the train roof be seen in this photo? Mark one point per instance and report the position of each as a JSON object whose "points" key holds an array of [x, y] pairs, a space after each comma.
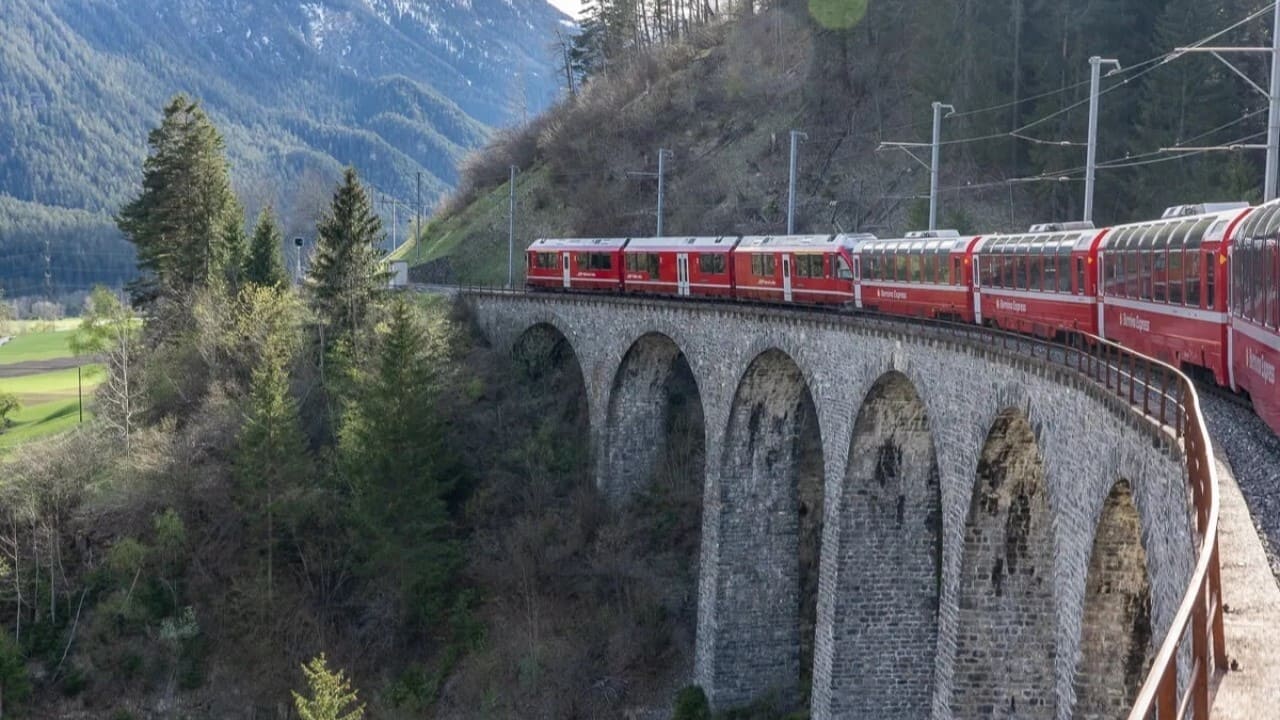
{"points": [[772, 243], [1055, 241], [579, 244], [704, 243], [1180, 226], [944, 241]]}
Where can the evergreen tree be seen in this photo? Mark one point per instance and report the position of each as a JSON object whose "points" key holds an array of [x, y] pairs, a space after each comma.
{"points": [[347, 279], [178, 223], [401, 472], [272, 459], [265, 263], [331, 694], [15, 687]]}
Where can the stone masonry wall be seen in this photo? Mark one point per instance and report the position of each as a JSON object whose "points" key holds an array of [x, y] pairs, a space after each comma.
{"points": [[1085, 440]]}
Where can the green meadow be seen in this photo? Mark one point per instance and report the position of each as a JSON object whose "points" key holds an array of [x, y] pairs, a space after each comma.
{"points": [[38, 368]]}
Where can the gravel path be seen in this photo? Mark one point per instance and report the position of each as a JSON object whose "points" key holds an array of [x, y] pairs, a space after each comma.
{"points": [[1245, 443]]}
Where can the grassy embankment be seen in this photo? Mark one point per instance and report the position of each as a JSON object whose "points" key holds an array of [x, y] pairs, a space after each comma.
{"points": [[39, 369]]}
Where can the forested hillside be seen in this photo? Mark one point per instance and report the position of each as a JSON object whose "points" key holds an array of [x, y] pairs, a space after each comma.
{"points": [[722, 92], [300, 88]]}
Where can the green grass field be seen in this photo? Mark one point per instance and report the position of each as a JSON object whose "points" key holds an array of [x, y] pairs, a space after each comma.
{"points": [[34, 347], [51, 399], [43, 420], [23, 327]]}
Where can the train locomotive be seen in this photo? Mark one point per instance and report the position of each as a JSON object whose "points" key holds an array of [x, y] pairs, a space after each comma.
{"points": [[1198, 288]]}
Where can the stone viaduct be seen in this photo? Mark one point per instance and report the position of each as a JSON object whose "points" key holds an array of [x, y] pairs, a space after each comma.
{"points": [[992, 537]]}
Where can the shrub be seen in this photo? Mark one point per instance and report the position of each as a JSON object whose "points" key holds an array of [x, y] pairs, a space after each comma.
{"points": [[691, 704]]}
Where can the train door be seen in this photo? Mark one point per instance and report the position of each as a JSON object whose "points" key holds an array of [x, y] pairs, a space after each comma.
{"points": [[786, 277], [564, 272], [1099, 293], [977, 289], [682, 274], [857, 281]]}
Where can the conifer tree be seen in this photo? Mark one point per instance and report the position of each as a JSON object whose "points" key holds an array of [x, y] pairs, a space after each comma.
{"points": [[265, 263], [272, 459], [347, 279], [393, 452], [178, 221]]}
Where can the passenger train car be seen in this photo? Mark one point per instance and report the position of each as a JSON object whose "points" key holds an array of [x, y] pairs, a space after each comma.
{"points": [[1198, 288]]}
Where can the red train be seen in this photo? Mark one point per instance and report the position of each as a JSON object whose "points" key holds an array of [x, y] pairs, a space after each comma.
{"points": [[1198, 288]]}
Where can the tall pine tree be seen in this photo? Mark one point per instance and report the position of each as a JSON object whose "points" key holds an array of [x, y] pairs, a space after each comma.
{"points": [[347, 279], [265, 263], [273, 460], [178, 223], [401, 471]]}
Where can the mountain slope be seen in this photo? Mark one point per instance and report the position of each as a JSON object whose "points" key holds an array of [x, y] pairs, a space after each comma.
{"points": [[299, 89]]}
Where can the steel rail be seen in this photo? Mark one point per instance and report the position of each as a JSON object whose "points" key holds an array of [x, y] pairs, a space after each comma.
{"points": [[1136, 380]]}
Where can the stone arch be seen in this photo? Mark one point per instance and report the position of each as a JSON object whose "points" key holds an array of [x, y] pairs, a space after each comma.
{"points": [[769, 531], [654, 427], [551, 365], [888, 578], [1115, 637], [1006, 636]]}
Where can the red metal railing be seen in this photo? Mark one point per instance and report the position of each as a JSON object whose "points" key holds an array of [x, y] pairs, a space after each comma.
{"points": [[1163, 395]]}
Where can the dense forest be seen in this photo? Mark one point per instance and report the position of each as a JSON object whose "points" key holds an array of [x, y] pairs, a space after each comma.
{"points": [[721, 91]]}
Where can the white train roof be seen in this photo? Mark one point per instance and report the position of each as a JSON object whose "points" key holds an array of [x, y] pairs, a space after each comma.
{"points": [[774, 243], [943, 241], [1180, 226], [579, 244], [705, 243], [1061, 241]]}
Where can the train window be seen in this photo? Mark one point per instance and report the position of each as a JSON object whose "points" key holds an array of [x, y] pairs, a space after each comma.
{"points": [[1130, 282], [842, 268], [1173, 277], [944, 270], [642, 262], [900, 267], [1079, 276], [1273, 305], [1191, 274], [957, 271], [809, 266], [1064, 274], [711, 263], [546, 260], [1035, 272], [1210, 276], [763, 265], [913, 268]]}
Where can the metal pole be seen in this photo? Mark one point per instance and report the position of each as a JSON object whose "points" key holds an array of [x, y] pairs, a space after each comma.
{"points": [[1273, 119], [796, 135], [1091, 154], [80, 391], [395, 244], [511, 231], [417, 237], [933, 166], [662, 171]]}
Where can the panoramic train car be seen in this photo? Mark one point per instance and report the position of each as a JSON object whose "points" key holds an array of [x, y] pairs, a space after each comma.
{"points": [[1039, 282], [925, 274], [1165, 285], [815, 269], [1254, 339], [576, 264], [697, 266]]}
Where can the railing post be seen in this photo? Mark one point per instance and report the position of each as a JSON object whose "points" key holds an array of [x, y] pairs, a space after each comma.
{"points": [[1200, 652], [1215, 595], [1146, 389], [1167, 696]]}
